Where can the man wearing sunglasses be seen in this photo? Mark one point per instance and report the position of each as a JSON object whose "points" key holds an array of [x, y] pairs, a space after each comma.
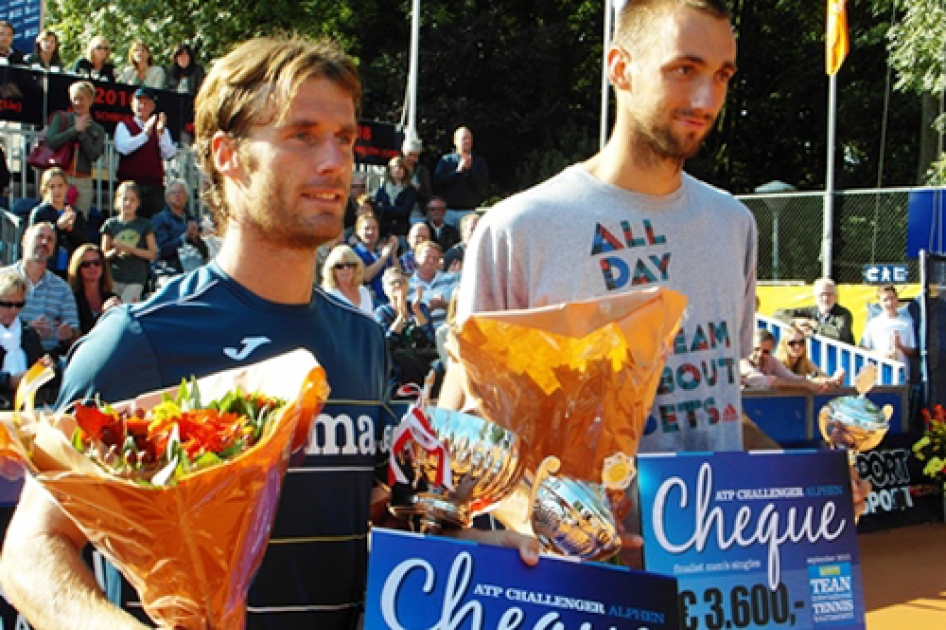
{"points": [[761, 370], [51, 307]]}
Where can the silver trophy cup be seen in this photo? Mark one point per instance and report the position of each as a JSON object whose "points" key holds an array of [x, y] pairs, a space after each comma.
{"points": [[485, 465], [572, 517], [855, 423]]}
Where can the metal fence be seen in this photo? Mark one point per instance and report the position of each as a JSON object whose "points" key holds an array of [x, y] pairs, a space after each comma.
{"points": [[870, 227]]}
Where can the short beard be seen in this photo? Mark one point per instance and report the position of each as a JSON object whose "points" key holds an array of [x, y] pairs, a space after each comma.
{"points": [[653, 144]]}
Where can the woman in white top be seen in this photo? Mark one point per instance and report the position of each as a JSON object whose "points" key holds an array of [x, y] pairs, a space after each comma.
{"points": [[344, 275]]}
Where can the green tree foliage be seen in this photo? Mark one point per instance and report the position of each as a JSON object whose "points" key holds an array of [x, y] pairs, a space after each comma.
{"points": [[918, 54], [525, 76]]}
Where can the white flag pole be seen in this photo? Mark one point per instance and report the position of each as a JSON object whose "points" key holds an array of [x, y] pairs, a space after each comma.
{"points": [[827, 234]]}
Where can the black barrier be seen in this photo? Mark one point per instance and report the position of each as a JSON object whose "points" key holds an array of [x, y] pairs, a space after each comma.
{"points": [[377, 142], [113, 103], [30, 96], [21, 95]]}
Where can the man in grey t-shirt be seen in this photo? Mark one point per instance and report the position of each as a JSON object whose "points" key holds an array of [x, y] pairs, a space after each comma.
{"points": [[630, 217]]}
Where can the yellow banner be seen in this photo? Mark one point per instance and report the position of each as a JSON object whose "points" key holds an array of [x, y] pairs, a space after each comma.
{"points": [[836, 37]]}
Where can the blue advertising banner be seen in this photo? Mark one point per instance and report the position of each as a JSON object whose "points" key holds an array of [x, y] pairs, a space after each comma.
{"points": [[25, 16], [756, 540], [417, 581]]}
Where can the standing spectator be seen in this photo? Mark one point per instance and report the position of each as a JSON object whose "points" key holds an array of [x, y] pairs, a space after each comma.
{"points": [[184, 75], [889, 333], [376, 254], [95, 65], [174, 229], [9, 56], [420, 174], [343, 276], [396, 198], [129, 245], [50, 307], [461, 178], [441, 233], [45, 55], [20, 345], [91, 285], [89, 139], [71, 228], [454, 255], [827, 318], [144, 143], [418, 234], [141, 70], [430, 284]]}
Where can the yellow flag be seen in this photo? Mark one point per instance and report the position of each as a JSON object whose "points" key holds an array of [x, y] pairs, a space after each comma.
{"points": [[836, 40]]}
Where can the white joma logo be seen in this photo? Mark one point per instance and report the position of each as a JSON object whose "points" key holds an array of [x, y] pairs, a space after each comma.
{"points": [[249, 345]]}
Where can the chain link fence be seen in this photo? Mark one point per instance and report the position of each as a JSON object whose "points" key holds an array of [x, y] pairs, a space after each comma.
{"points": [[870, 227]]}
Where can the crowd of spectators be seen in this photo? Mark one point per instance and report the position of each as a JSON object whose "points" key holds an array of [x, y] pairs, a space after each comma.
{"points": [[183, 73], [398, 232]]}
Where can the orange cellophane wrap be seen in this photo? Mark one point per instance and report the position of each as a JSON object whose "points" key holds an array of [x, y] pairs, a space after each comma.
{"points": [[574, 380], [192, 549]]}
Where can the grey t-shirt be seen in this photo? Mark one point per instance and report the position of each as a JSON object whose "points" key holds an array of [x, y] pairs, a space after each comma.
{"points": [[575, 237]]}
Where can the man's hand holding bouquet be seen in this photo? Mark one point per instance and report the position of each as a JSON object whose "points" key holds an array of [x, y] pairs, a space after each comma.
{"points": [[177, 488]]}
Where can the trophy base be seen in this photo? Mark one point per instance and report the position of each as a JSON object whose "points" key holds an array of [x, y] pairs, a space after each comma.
{"points": [[429, 513]]}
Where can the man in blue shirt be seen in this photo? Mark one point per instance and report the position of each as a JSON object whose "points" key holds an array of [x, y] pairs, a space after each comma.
{"points": [[279, 169], [175, 229]]}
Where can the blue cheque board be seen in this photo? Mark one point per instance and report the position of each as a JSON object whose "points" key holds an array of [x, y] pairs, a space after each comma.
{"points": [[417, 581], [756, 540]]}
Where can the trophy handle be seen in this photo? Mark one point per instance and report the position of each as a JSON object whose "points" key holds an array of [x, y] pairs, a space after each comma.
{"points": [[549, 466]]}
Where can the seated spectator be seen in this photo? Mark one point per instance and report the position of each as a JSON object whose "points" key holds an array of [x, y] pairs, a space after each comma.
{"points": [[420, 175], [129, 245], [453, 259], [364, 206], [418, 234], [71, 229], [441, 233], [9, 56], [174, 231], [395, 199], [793, 353], [144, 143], [377, 255], [321, 255], [408, 329], [761, 370], [91, 285], [20, 345], [827, 318], [141, 70], [430, 284], [45, 55], [343, 276], [890, 333], [50, 307], [95, 65], [79, 127], [184, 75]]}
